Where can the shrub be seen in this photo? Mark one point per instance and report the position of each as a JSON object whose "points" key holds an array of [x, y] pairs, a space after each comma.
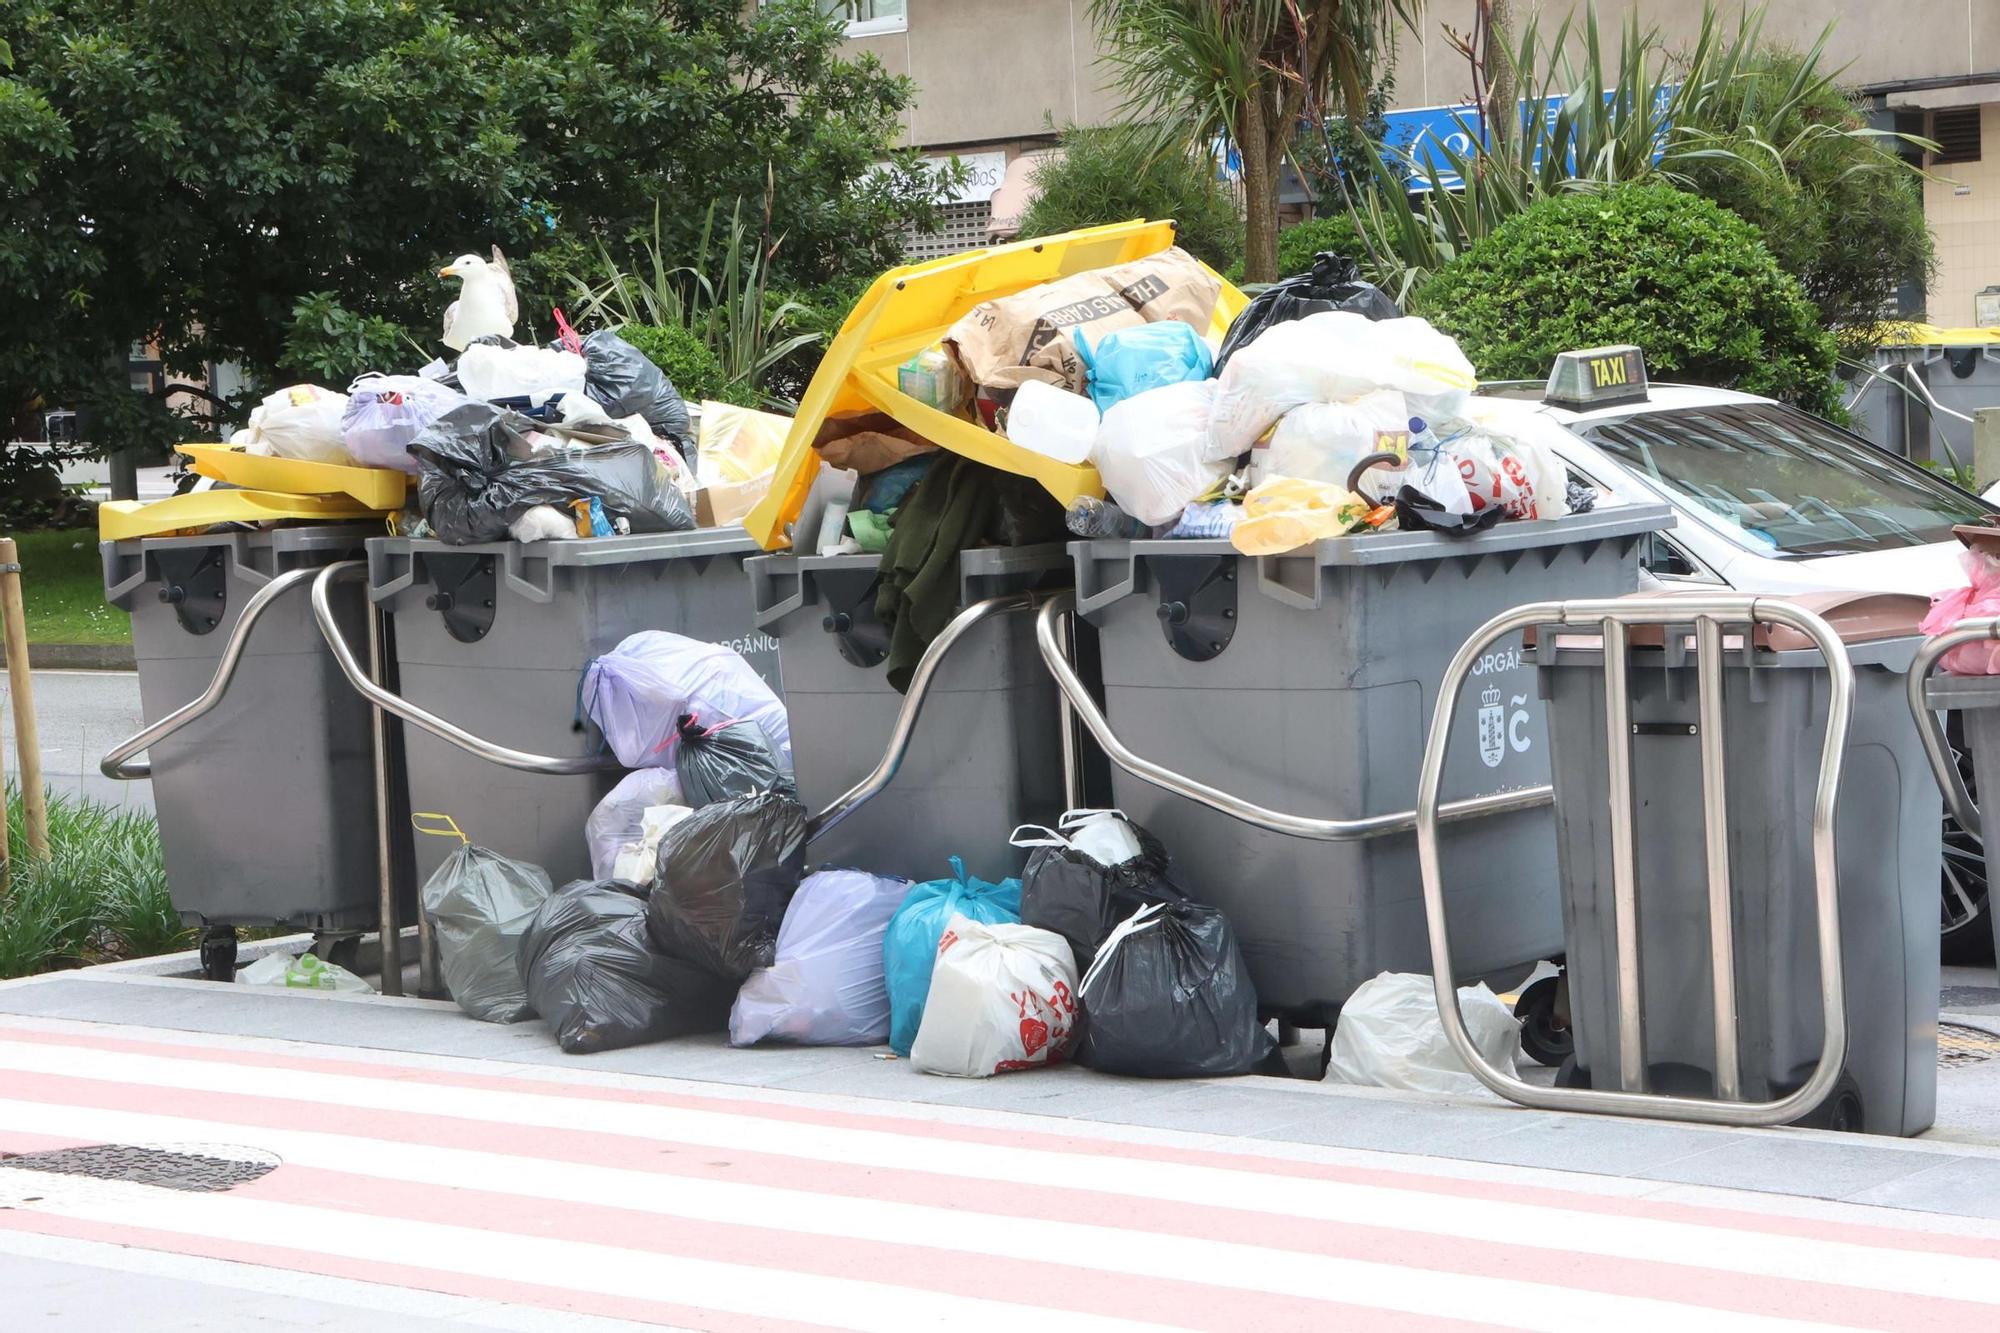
{"points": [[1688, 282], [100, 893], [1298, 245], [695, 370], [1119, 173]]}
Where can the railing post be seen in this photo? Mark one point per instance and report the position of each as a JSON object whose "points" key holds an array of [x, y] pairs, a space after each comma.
{"points": [[21, 688], [1985, 446]]}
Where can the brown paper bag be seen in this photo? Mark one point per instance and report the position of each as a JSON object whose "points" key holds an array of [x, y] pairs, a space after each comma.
{"points": [[1005, 342]]}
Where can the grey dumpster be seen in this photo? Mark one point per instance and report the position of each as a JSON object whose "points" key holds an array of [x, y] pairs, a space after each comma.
{"points": [[495, 638], [1974, 701], [986, 753], [1305, 683], [1887, 843], [266, 804]]}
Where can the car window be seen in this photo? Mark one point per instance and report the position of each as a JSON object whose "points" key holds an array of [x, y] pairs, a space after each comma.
{"points": [[1788, 484]]}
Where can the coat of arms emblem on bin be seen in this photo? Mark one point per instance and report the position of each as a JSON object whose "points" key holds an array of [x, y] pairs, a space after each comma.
{"points": [[1492, 727]]}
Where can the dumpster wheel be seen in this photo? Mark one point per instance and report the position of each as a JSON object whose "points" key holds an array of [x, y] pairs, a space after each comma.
{"points": [[218, 953], [1543, 1009]]}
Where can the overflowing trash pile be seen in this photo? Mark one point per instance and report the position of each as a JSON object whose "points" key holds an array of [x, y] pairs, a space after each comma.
{"points": [[1323, 412], [704, 914]]}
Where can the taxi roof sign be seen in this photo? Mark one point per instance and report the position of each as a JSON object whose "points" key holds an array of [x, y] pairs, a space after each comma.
{"points": [[1597, 377], [909, 308]]}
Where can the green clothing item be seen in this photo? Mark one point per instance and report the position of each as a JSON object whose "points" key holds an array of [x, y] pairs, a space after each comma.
{"points": [[949, 510], [871, 530]]}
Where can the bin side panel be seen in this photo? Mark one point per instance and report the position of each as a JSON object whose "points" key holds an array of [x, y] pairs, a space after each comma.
{"points": [[1887, 846], [1324, 712], [266, 805]]}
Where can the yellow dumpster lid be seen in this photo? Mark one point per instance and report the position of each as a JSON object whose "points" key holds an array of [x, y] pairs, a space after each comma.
{"points": [[1932, 335], [909, 308], [118, 520], [375, 487]]}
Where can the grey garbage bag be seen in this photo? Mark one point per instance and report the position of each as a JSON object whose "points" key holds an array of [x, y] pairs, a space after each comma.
{"points": [[479, 903], [478, 472], [727, 873], [1169, 997], [597, 980], [620, 379], [722, 762]]}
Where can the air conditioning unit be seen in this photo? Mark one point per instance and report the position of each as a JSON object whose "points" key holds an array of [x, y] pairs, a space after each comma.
{"points": [[1986, 307], [60, 427]]}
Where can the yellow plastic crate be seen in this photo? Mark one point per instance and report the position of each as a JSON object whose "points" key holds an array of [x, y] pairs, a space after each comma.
{"points": [[374, 487]]}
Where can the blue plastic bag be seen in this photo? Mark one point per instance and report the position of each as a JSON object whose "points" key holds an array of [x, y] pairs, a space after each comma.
{"points": [[909, 950], [1127, 362]]}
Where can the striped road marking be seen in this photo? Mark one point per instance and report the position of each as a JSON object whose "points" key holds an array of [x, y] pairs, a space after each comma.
{"points": [[660, 1202]]}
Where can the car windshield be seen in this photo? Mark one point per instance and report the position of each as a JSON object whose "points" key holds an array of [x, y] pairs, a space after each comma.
{"points": [[1789, 483]]}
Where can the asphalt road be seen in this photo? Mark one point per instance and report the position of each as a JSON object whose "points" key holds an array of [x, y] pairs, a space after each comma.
{"points": [[81, 714]]}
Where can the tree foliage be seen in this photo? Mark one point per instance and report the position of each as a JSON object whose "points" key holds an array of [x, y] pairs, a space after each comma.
{"points": [[1687, 281], [1118, 173], [225, 176], [1250, 70]]}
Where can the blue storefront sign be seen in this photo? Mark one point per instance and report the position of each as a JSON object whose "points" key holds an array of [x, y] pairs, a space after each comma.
{"points": [[1419, 135]]}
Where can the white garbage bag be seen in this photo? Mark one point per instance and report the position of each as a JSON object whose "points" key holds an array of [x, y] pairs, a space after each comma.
{"points": [[385, 412], [1389, 1036], [1506, 463], [637, 693], [827, 986], [306, 972], [1332, 357], [1153, 451], [1002, 997], [1323, 441], [536, 373], [624, 830], [301, 422]]}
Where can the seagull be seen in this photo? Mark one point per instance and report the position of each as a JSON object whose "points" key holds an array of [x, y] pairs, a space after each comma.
{"points": [[486, 302]]}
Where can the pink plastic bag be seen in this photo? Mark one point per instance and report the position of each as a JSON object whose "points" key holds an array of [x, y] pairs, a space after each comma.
{"points": [[1979, 599]]}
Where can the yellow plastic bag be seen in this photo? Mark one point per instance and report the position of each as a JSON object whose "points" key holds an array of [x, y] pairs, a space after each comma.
{"points": [[739, 444], [1286, 513]]}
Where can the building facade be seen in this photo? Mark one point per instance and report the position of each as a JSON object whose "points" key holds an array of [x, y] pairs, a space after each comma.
{"points": [[995, 83]]}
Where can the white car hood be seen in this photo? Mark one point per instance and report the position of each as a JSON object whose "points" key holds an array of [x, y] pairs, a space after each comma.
{"points": [[1922, 570]]}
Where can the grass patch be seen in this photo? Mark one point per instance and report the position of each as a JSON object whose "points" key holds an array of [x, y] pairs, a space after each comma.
{"points": [[101, 893], [62, 587]]}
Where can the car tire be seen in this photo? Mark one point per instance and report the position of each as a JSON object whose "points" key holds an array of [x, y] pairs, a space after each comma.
{"points": [[1964, 907]]}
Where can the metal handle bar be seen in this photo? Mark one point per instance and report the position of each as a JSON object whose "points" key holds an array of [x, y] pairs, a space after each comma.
{"points": [[1611, 617], [391, 702], [885, 769], [1937, 749], [115, 765], [1048, 637]]}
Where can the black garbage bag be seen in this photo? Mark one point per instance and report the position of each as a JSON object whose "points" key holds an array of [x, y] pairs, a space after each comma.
{"points": [[1418, 512], [622, 380], [1169, 997], [1333, 283], [594, 975], [478, 473], [724, 762], [1066, 891], [726, 874]]}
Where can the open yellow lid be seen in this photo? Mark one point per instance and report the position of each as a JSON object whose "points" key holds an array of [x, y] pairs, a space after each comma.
{"points": [[909, 308], [375, 487], [118, 520]]}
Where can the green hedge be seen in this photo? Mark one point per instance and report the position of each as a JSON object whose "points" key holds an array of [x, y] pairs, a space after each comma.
{"points": [[1297, 245], [1688, 282], [694, 369]]}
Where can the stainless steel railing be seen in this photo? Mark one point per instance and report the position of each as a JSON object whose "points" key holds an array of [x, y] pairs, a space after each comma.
{"points": [[1612, 618], [118, 762], [1050, 637], [1937, 748]]}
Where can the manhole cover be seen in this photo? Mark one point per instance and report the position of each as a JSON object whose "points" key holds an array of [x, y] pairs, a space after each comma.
{"points": [[199, 1168], [1962, 1045]]}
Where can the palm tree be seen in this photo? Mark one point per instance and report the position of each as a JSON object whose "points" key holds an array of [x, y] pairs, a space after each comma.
{"points": [[1253, 70]]}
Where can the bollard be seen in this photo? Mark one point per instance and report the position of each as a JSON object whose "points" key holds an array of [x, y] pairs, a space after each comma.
{"points": [[27, 748]]}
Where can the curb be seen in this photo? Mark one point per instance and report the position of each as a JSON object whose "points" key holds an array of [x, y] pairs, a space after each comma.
{"points": [[80, 656]]}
